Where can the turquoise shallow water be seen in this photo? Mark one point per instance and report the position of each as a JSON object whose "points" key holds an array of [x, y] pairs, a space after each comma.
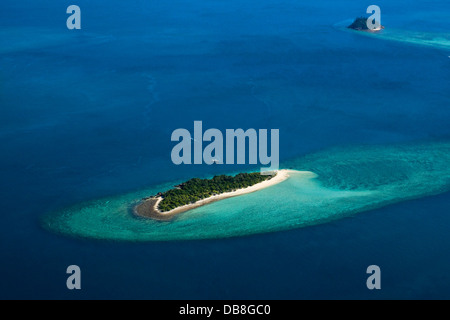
{"points": [[438, 40], [341, 182]]}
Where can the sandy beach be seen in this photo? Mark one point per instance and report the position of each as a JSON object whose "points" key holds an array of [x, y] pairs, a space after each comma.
{"points": [[149, 208]]}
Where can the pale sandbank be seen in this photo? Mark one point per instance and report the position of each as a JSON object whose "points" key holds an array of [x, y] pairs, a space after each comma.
{"points": [[148, 208]]}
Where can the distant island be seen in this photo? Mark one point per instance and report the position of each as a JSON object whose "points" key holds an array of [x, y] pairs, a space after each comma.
{"points": [[198, 192], [360, 24]]}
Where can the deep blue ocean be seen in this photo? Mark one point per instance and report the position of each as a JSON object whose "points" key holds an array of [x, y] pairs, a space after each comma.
{"points": [[88, 113]]}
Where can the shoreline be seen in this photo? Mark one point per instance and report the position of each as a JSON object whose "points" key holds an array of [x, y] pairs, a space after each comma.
{"points": [[376, 30], [149, 208]]}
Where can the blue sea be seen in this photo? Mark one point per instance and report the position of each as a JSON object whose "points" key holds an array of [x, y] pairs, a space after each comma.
{"points": [[86, 118]]}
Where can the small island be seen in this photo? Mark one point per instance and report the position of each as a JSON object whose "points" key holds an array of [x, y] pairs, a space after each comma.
{"points": [[360, 24], [198, 192]]}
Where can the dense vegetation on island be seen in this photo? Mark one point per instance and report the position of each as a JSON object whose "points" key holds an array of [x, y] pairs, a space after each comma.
{"points": [[197, 189], [359, 24]]}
